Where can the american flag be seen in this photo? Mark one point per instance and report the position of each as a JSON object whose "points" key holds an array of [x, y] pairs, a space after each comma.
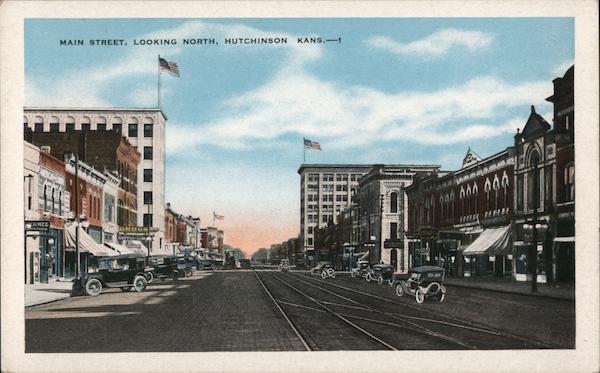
{"points": [[170, 67], [312, 144], [218, 217]]}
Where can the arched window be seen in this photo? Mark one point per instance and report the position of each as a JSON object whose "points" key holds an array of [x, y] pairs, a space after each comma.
{"points": [[60, 202], [533, 181], [101, 124], [505, 189], [53, 206], [496, 186], [487, 187], [394, 202], [86, 124]]}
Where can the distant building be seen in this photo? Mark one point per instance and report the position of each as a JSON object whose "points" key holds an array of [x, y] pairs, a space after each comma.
{"points": [[144, 129]]}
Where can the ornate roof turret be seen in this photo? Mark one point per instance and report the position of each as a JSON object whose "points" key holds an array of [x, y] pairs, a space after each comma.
{"points": [[470, 158]]}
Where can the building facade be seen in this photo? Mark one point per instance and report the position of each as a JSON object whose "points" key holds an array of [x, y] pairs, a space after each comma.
{"points": [[145, 131]]}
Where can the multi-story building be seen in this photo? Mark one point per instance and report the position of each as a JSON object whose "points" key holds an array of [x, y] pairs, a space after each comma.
{"points": [[31, 172], [545, 189], [468, 209], [144, 129], [328, 189]]}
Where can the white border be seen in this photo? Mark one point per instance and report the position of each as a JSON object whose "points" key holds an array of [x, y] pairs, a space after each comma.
{"points": [[585, 358]]}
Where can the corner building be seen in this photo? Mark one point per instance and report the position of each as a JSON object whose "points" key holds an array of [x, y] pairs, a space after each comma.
{"points": [[143, 128]]}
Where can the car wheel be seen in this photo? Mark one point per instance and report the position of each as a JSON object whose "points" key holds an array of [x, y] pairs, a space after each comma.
{"points": [[379, 280], [333, 275], [399, 290], [93, 287], [175, 275], [330, 272], [442, 297], [323, 275], [368, 278], [140, 283], [419, 296], [187, 273], [194, 269], [149, 277], [353, 274], [125, 288]]}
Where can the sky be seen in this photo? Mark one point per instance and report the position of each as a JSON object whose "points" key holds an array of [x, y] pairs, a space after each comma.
{"points": [[389, 90]]}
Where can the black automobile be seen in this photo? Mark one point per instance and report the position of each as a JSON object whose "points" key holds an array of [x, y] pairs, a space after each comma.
{"points": [[165, 266], [423, 282], [300, 264], [382, 272], [323, 269], [186, 265], [245, 264], [122, 271]]}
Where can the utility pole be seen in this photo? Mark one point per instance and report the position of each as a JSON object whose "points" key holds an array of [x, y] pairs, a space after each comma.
{"points": [[381, 199], [533, 248], [77, 254]]}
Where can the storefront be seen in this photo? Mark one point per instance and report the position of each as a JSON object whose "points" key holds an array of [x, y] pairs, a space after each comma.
{"points": [[490, 253]]}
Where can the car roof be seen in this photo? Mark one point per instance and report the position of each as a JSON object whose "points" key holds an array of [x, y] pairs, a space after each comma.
{"points": [[424, 269]]}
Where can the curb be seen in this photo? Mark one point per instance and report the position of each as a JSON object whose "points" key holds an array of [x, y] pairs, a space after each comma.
{"points": [[511, 292], [46, 302]]}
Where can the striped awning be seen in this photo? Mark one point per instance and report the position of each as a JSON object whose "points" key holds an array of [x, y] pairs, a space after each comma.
{"points": [[492, 241], [86, 242]]}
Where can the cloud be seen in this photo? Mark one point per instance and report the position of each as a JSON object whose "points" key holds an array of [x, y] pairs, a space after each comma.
{"points": [[347, 116], [434, 45], [91, 83], [561, 69]]}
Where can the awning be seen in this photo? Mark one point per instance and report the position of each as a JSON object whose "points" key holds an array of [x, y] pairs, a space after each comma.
{"points": [[124, 249], [86, 242], [492, 241]]}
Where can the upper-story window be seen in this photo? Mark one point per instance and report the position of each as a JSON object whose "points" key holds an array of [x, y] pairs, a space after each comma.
{"points": [[147, 152], [132, 130], [394, 202], [569, 182], [101, 124], [533, 181], [327, 177], [148, 129], [54, 124], [86, 124]]}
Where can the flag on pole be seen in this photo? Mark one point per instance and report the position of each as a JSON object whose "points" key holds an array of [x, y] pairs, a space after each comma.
{"points": [[311, 144], [170, 67], [218, 217]]}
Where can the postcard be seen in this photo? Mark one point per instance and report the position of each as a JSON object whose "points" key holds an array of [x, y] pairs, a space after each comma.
{"points": [[262, 186]]}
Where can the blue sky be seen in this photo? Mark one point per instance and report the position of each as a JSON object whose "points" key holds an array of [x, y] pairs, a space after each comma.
{"points": [[410, 90]]}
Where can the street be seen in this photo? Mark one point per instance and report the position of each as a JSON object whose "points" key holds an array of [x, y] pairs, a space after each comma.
{"points": [[265, 310]]}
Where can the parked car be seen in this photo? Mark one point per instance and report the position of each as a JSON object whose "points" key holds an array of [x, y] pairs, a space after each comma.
{"points": [[423, 282], [300, 264], [284, 265], [186, 265], [323, 269], [381, 273], [122, 271], [362, 269], [165, 266], [245, 264]]}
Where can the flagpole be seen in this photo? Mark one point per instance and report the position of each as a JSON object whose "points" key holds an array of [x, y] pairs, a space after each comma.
{"points": [[158, 80], [303, 150]]}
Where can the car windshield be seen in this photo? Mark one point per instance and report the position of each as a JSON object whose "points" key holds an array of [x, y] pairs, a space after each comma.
{"points": [[414, 276]]}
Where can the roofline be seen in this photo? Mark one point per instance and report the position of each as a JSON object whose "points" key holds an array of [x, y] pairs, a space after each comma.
{"points": [[367, 166], [41, 108]]}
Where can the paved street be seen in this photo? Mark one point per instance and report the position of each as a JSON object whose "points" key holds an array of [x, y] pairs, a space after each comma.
{"points": [[236, 311]]}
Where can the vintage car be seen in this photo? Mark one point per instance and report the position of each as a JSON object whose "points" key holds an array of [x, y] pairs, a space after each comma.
{"points": [[284, 265], [186, 265], [122, 271], [423, 282], [381, 273], [300, 264], [245, 264], [362, 269], [323, 269], [165, 266]]}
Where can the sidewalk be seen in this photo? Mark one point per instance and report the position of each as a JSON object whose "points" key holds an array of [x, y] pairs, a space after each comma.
{"points": [[559, 291], [39, 293]]}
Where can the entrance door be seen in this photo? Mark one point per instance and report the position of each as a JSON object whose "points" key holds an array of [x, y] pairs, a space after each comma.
{"points": [[394, 258], [566, 262]]}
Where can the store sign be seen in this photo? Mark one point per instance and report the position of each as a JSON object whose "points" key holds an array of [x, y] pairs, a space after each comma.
{"points": [[37, 225], [133, 229]]}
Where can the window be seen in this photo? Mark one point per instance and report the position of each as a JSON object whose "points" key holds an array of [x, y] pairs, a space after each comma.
{"points": [[60, 202], [313, 177], [38, 127], [394, 202], [109, 201], [520, 192], [147, 152], [53, 210], [70, 127], [133, 130], [548, 187], [309, 241], [147, 220], [311, 230], [327, 177], [313, 188], [54, 127], [147, 198], [341, 177], [569, 182], [101, 126], [313, 198], [393, 231], [341, 188], [147, 175], [86, 126], [355, 177], [148, 130], [118, 127]]}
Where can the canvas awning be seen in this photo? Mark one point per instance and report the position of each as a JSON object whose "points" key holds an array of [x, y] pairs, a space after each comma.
{"points": [[124, 249], [86, 242], [564, 239], [492, 241]]}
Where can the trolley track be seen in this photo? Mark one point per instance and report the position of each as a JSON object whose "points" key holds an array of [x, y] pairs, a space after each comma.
{"points": [[450, 325]]}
